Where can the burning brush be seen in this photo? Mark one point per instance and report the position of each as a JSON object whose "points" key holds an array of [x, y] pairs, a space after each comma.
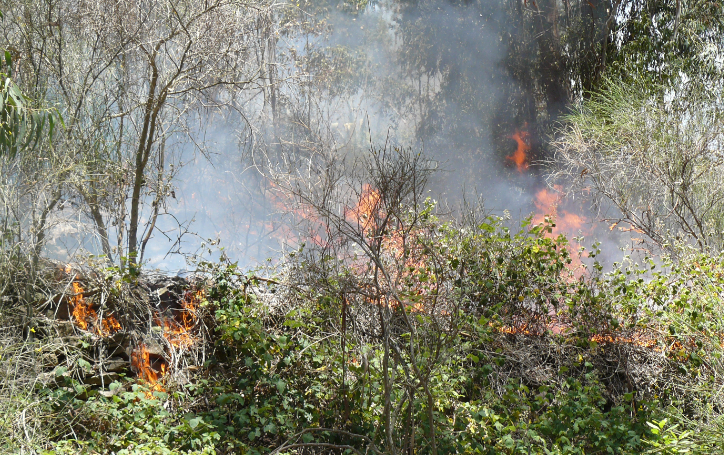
{"points": [[85, 317], [176, 318]]}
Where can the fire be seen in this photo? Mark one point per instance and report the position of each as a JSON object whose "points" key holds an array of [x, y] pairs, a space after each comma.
{"points": [[178, 333], [675, 350], [80, 310], [624, 228], [547, 203], [110, 325], [177, 330], [367, 211], [520, 156], [285, 204], [636, 339], [511, 330], [141, 361], [87, 318]]}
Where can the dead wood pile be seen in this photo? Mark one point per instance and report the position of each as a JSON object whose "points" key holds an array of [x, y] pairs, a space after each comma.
{"points": [[99, 327]]}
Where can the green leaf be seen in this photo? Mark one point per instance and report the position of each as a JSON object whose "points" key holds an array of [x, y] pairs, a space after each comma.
{"points": [[281, 385]]}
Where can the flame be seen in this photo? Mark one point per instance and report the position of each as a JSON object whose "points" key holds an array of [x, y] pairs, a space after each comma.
{"points": [[520, 156], [178, 332], [367, 211], [110, 325], [636, 339], [547, 204], [141, 361], [86, 317], [675, 350], [80, 310], [624, 228], [511, 330]]}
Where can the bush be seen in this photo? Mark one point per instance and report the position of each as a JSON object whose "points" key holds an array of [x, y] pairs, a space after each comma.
{"points": [[525, 359]]}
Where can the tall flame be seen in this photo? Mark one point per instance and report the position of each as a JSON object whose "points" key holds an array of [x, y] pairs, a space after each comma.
{"points": [[141, 361], [547, 203], [520, 156], [367, 210], [395, 243]]}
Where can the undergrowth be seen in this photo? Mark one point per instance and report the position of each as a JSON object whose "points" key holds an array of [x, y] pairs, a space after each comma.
{"points": [[631, 364]]}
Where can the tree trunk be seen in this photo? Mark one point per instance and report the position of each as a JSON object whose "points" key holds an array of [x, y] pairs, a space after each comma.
{"points": [[144, 149]]}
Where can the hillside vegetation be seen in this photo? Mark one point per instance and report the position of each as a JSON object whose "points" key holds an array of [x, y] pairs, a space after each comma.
{"points": [[389, 323], [488, 344]]}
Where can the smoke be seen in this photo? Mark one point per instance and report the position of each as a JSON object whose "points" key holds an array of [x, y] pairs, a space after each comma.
{"points": [[436, 75]]}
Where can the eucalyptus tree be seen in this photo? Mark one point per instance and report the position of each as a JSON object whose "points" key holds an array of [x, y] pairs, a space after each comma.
{"points": [[25, 126]]}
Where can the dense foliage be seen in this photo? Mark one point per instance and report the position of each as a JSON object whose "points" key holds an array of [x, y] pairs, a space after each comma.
{"points": [[399, 326], [634, 365]]}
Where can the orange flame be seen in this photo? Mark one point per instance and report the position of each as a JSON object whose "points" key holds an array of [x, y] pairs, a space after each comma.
{"points": [[636, 339], [87, 318], [398, 245], [520, 156], [141, 361], [547, 203], [178, 333], [177, 330], [367, 210]]}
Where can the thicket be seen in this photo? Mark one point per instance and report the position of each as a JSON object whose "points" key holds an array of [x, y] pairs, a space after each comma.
{"points": [[397, 328], [622, 362]]}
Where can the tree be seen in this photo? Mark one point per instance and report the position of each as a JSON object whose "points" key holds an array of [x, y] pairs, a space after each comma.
{"points": [[655, 154], [647, 140], [131, 77], [29, 173], [359, 206], [658, 40], [21, 125], [478, 69]]}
